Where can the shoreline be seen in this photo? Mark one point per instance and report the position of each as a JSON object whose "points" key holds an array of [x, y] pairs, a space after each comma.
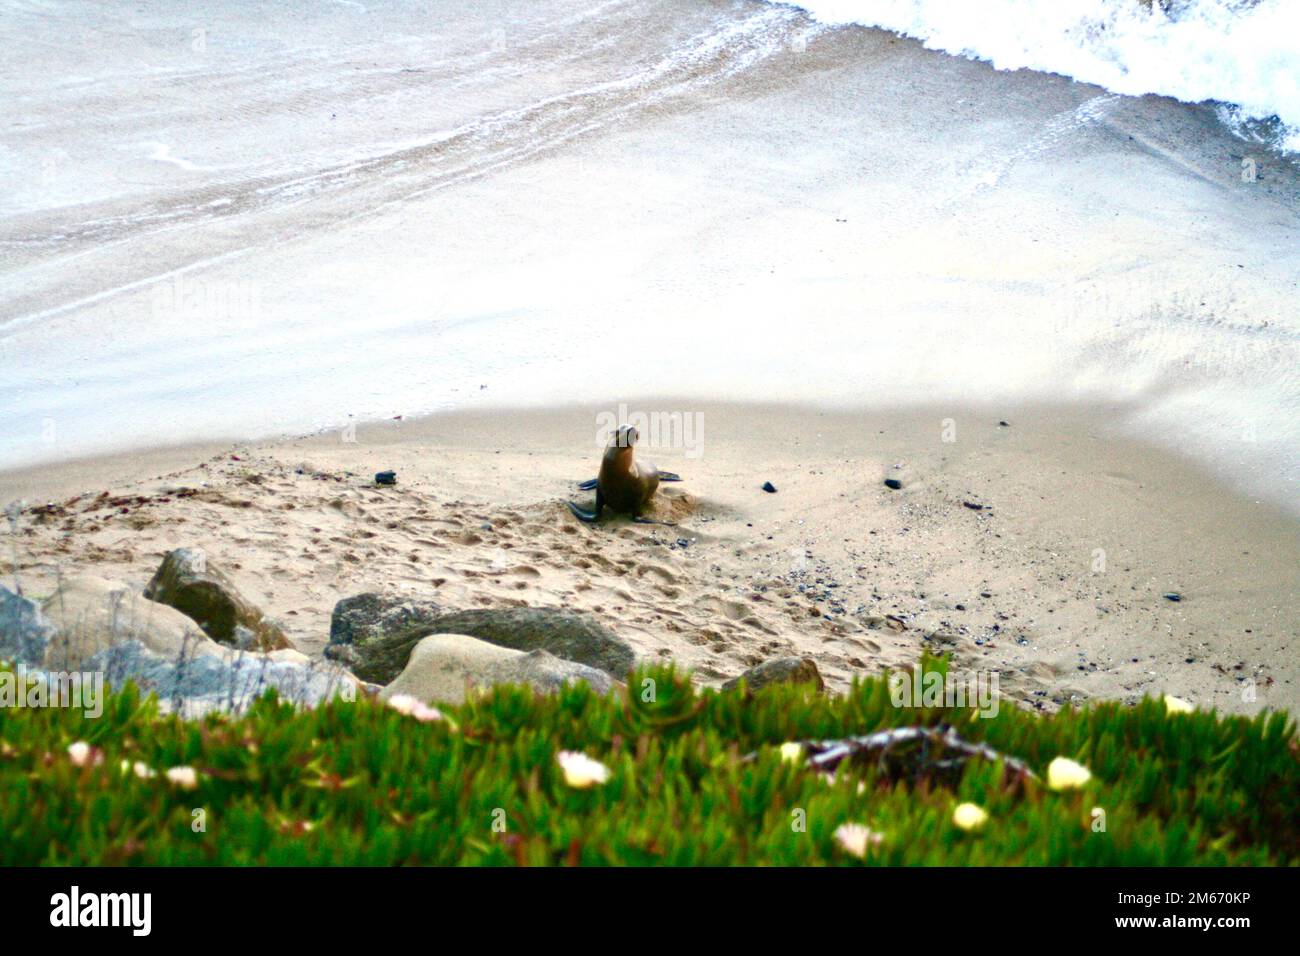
{"points": [[833, 566], [956, 231]]}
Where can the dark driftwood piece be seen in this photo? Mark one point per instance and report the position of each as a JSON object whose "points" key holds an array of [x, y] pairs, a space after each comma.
{"points": [[908, 751]]}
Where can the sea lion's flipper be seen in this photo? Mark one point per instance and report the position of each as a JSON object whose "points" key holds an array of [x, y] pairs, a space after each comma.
{"points": [[669, 476], [588, 484], [589, 516]]}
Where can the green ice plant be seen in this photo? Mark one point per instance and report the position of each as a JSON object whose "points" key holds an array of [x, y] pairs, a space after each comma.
{"points": [[679, 777]]}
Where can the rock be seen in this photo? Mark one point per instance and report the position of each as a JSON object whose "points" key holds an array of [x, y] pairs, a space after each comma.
{"points": [[227, 681], [443, 667], [943, 636], [1173, 596], [893, 483], [782, 670], [358, 619], [385, 477], [91, 614], [24, 631], [566, 634], [769, 487], [196, 587]]}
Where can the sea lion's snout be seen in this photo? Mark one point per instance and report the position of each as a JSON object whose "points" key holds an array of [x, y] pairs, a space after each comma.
{"points": [[626, 436]]}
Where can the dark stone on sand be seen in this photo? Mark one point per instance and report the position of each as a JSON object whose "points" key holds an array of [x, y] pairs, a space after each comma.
{"points": [[769, 487], [1173, 596], [973, 505], [1005, 424], [385, 477], [188, 581], [782, 670], [566, 634], [894, 483], [361, 618]]}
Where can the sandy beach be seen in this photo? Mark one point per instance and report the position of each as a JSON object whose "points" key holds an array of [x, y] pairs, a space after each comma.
{"points": [[1056, 580]]}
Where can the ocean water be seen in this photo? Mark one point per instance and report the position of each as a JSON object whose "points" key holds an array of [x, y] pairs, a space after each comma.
{"points": [[239, 220], [1242, 54]]}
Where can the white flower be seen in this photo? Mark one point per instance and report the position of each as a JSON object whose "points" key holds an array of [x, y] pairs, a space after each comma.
{"points": [[968, 816], [403, 703], [139, 768], [1065, 774], [410, 706], [855, 838], [187, 778], [581, 771], [80, 753], [424, 713], [1176, 705], [792, 752]]}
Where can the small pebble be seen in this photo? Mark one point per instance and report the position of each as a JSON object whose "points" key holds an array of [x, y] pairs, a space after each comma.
{"points": [[769, 487], [1173, 596], [386, 478], [893, 483]]}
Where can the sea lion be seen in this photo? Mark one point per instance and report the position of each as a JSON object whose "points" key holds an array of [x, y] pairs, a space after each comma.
{"points": [[624, 484]]}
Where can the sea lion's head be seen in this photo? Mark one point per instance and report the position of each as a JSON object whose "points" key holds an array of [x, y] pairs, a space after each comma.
{"points": [[625, 437]]}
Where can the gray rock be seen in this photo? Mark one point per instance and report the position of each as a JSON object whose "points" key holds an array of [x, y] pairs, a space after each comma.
{"points": [[189, 582], [444, 668], [565, 634], [782, 670], [358, 619], [193, 686], [24, 631]]}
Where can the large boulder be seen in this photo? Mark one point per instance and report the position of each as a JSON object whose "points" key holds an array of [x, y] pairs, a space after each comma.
{"points": [[780, 670], [565, 634], [24, 631], [359, 619], [227, 681], [444, 667], [189, 582], [91, 614]]}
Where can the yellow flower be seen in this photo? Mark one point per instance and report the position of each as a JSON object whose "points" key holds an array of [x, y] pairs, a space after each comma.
{"points": [[580, 771], [1176, 705], [792, 752], [855, 838], [187, 778], [969, 816], [1065, 774]]}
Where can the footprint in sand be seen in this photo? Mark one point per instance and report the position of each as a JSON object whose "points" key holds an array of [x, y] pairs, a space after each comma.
{"points": [[658, 570], [731, 610]]}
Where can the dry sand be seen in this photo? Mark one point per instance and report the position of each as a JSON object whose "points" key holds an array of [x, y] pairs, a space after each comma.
{"points": [[1056, 582]]}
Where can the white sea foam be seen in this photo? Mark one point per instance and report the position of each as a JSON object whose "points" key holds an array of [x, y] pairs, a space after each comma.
{"points": [[1238, 52]]}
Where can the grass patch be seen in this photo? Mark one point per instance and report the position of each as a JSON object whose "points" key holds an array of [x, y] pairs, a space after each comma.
{"points": [[361, 784]]}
